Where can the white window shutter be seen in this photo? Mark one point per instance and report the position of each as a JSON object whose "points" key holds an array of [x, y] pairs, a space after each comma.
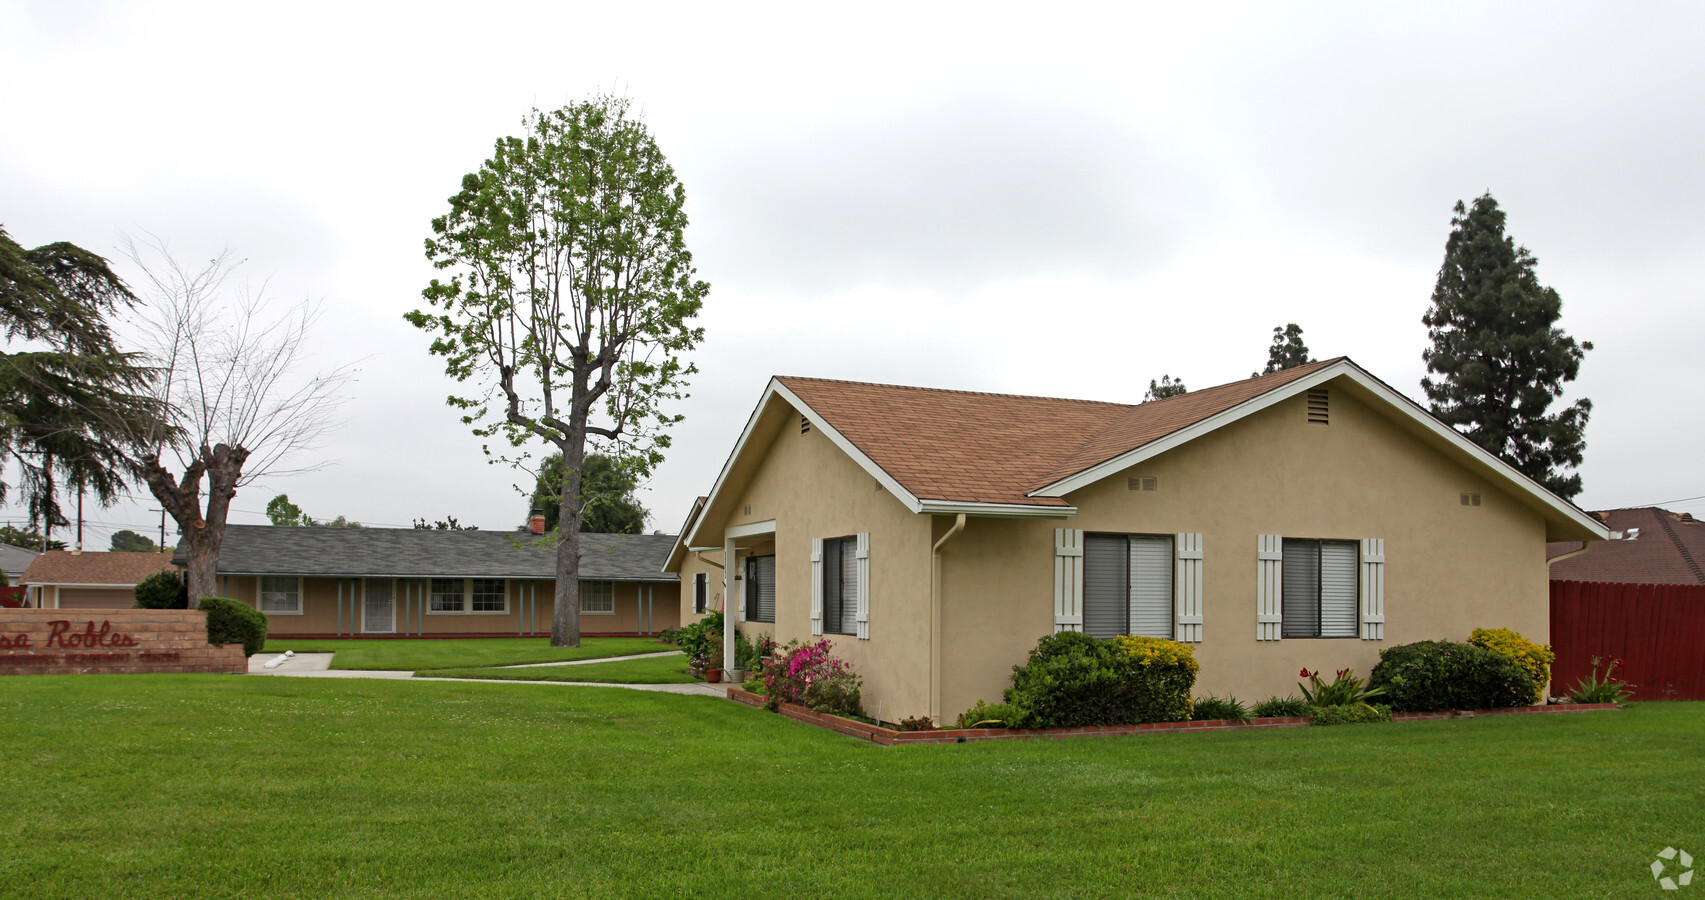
{"points": [[1373, 589], [1187, 588], [864, 585], [816, 586], [1068, 579], [1269, 586]]}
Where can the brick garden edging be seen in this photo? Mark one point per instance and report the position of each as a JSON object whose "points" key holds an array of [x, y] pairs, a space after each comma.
{"points": [[888, 737], [112, 642]]}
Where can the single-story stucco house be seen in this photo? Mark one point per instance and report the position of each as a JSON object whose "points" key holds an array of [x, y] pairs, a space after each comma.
{"points": [[1304, 518], [72, 579], [320, 581]]}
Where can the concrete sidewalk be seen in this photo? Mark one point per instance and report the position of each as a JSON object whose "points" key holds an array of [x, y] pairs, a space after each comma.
{"points": [[318, 665]]}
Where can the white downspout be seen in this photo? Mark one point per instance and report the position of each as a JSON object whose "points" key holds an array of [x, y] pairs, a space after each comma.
{"points": [[935, 619]]}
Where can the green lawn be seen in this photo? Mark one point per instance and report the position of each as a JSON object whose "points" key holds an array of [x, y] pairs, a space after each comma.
{"points": [[444, 653], [656, 670], [193, 786]]}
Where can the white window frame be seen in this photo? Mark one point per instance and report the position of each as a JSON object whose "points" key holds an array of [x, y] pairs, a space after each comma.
{"points": [[597, 612], [466, 607], [260, 595]]}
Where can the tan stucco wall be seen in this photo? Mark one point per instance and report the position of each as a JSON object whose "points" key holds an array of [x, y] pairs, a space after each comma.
{"points": [[529, 609], [813, 490], [1449, 568], [691, 565]]}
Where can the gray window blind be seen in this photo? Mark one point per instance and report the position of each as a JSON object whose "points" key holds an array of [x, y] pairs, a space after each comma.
{"points": [[1320, 588], [1151, 585], [840, 585], [1127, 585], [1105, 567], [761, 589], [1338, 561]]}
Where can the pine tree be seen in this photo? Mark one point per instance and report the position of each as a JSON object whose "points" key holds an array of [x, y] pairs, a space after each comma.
{"points": [[1164, 388], [1286, 351], [1499, 355]]}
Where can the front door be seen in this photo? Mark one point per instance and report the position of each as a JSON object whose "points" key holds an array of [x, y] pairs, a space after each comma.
{"points": [[379, 609]]}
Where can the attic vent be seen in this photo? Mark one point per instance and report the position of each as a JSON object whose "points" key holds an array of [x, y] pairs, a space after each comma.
{"points": [[1143, 483], [804, 425], [1317, 409], [1470, 499], [1632, 534]]}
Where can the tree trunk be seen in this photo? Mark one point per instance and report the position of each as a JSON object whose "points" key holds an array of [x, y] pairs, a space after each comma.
{"points": [[565, 614], [203, 534]]}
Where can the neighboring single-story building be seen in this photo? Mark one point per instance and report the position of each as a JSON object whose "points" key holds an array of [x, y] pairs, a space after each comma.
{"points": [[317, 581], [1649, 546], [73, 579], [1304, 518], [14, 561]]}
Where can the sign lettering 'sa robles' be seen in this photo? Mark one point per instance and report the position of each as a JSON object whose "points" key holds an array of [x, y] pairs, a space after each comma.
{"points": [[15, 641], [89, 637]]}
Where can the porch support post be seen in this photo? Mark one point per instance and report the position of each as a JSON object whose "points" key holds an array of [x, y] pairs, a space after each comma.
{"points": [[728, 569], [340, 607]]}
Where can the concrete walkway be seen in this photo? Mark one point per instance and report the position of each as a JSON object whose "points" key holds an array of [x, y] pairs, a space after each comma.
{"points": [[318, 665], [582, 662]]}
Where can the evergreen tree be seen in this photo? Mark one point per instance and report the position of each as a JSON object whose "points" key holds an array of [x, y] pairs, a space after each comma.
{"points": [[607, 504], [1287, 350], [127, 541], [1165, 387], [1498, 354], [282, 512], [29, 539]]}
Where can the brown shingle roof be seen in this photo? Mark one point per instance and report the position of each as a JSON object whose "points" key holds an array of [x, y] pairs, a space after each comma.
{"points": [[1657, 547], [968, 447], [67, 567]]}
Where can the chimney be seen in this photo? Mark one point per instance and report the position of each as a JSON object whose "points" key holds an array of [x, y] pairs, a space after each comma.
{"points": [[537, 523]]}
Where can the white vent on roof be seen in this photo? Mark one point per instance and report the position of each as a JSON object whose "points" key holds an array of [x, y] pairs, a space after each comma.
{"points": [[1632, 534]]}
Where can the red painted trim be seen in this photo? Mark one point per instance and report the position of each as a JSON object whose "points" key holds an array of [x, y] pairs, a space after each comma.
{"points": [[434, 637], [888, 737]]}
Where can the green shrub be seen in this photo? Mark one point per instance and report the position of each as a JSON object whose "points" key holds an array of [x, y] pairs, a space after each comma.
{"points": [[234, 622], [1351, 714], [1429, 676], [669, 636], [1229, 708], [162, 590], [1344, 690], [754, 686], [702, 638], [992, 715], [1609, 689], [1072, 679], [1281, 708], [916, 723]]}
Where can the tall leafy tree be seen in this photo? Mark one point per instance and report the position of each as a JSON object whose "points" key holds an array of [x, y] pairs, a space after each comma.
{"points": [[1287, 350], [568, 303], [69, 399], [280, 511], [28, 539], [607, 501], [127, 541], [1165, 387], [1498, 358]]}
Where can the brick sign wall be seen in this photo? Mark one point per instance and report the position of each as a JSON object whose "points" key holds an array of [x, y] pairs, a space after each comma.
{"points": [[116, 641]]}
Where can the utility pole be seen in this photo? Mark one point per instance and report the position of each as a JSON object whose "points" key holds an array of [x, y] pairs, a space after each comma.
{"points": [[162, 513], [79, 518]]}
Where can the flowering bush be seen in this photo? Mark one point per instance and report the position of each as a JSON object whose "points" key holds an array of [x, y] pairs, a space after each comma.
{"points": [[1610, 689], [809, 676], [1535, 658], [1345, 690]]}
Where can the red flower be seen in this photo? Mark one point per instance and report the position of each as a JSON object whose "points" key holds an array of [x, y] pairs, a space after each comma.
{"points": [[1342, 672], [1305, 673]]}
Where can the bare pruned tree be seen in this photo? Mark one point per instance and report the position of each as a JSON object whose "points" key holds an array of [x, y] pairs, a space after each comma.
{"points": [[230, 375]]}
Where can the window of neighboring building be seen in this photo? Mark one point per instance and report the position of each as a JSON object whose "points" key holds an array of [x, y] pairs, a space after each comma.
{"points": [[1127, 585], [447, 594], [840, 585], [281, 594], [760, 588], [701, 593], [597, 597], [488, 595], [1319, 588]]}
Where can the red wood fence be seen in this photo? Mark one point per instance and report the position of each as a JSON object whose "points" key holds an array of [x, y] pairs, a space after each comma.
{"points": [[1658, 630]]}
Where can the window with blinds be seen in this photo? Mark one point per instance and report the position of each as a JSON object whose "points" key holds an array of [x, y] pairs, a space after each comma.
{"points": [[760, 588], [597, 597], [840, 585], [1127, 585], [447, 594], [1319, 593], [280, 594], [701, 593]]}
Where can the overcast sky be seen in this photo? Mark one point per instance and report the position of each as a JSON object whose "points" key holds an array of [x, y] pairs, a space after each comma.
{"points": [[1057, 199]]}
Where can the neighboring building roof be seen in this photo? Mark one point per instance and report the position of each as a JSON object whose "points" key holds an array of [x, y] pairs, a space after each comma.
{"points": [[94, 567], [947, 452], [14, 560], [430, 553], [1657, 547]]}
